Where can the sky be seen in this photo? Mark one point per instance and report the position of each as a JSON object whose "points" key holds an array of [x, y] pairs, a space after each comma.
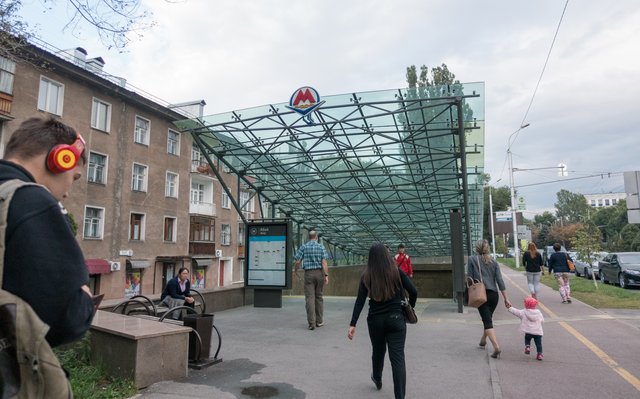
{"points": [[240, 54]]}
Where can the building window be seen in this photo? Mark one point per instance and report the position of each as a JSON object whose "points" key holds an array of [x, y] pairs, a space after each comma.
{"points": [[93, 222], [614, 201], [225, 235], [241, 234], [173, 142], [7, 71], [101, 115], [201, 229], [246, 201], [97, 168], [196, 155], [197, 193], [170, 229], [136, 227], [171, 185], [139, 181], [593, 202], [225, 201], [50, 96], [141, 134]]}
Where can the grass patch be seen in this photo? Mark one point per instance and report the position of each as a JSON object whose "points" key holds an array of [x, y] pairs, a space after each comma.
{"points": [[604, 296], [89, 381]]}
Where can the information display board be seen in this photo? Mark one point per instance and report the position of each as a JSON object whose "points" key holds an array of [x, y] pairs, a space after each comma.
{"points": [[268, 255]]}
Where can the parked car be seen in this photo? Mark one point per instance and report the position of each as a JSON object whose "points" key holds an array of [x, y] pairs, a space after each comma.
{"points": [[590, 268], [621, 267]]}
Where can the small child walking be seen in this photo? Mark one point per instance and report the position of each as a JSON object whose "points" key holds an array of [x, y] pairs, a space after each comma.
{"points": [[531, 320]]}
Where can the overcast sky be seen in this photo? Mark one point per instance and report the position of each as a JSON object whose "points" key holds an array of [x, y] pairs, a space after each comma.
{"points": [[240, 54]]}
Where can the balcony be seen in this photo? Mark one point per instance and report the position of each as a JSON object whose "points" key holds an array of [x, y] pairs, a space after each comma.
{"points": [[201, 167], [6, 100], [202, 208], [202, 248]]}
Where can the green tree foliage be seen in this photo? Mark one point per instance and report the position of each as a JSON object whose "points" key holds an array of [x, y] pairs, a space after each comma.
{"points": [[587, 241], [611, 220], [501, 202], [546, 219], [628, 235], [571, 207]]}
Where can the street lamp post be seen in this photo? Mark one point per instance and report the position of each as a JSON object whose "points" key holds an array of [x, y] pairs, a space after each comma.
{"points": [[516, 248], [493, 234]]}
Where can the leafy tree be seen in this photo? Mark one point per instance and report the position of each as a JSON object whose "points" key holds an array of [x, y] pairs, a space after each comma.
{"points": [[501, 202], [564, 234], [627, 237], [587, 241], [572, 207], [611, 220], [546, 219]]}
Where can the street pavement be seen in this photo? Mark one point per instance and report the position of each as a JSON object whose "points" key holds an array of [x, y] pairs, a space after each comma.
{"points": [[269, 353]]}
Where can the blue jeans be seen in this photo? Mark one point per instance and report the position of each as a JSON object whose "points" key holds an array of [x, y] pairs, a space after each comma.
{"points": [[389, 330], [536, 338]]}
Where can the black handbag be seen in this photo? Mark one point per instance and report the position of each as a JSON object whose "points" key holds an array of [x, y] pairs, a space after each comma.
{"points": [[409, 313]]}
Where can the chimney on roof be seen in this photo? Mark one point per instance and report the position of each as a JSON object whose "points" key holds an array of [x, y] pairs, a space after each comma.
{"points": [[95, 64], [76, 55]]}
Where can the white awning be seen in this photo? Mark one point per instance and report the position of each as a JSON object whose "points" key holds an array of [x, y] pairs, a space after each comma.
{"points": [[138, 263]]}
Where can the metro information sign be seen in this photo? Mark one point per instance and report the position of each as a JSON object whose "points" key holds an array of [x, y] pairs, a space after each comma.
{"points": [[268, 255]]}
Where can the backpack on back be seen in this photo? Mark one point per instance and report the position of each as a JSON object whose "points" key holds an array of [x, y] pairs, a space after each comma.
{"points": [[28, 366]]}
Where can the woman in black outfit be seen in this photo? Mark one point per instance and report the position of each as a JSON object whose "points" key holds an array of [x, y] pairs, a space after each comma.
{"points": [[384, 284], [484, 265], [532, 261]]}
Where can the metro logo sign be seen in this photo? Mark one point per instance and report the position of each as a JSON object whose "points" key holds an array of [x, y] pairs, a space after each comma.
{"points": [[304, 101]]}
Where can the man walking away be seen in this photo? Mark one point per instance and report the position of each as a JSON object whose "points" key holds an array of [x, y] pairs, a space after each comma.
{"points": [[313, 258]]}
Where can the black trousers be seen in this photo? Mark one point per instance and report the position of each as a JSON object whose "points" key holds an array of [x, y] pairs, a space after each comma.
{"points": [[486, 310], [389, 330]]}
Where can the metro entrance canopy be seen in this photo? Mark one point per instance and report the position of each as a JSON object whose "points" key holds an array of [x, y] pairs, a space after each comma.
{"points": [[382, 166]]}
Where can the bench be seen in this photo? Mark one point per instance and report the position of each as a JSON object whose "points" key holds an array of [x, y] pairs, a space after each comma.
{"points": [[145, 349]]}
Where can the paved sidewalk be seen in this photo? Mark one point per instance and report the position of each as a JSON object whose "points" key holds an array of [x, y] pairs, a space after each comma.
{"points": [[269, 353]]}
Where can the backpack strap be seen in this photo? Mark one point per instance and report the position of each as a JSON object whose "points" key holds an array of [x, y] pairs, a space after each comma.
{"points": [[7, 189]]}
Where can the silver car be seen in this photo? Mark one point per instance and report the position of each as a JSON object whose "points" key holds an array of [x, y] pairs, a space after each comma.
{"points": [[590, 268]]}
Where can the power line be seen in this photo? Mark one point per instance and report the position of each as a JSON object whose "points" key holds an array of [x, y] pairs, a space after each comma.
{"points": [[602, 175]]}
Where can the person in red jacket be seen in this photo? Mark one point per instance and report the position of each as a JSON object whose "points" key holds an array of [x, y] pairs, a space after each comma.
{"points": [[403, 261]]}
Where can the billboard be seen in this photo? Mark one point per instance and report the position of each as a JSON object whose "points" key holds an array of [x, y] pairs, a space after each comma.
{"points": [[269, 255]]}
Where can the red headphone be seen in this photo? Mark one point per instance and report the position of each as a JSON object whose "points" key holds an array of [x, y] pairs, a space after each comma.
{"points": [[64, 157]]}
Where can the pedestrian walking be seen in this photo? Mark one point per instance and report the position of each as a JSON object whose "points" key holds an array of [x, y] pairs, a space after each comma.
{"points": [[403, 261], [313, 258], [531, 320], [532, 261], [483, 264], [559, 266], [385, 285]]}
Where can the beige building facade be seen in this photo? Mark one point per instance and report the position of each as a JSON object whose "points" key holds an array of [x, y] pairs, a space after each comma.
{"points": [[148, 202]]}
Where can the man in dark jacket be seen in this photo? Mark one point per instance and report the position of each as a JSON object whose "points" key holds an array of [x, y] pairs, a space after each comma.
{"points": [[43, 263]]}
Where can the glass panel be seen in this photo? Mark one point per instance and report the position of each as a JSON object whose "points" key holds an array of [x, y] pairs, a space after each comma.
{"points": [[363, 167]]}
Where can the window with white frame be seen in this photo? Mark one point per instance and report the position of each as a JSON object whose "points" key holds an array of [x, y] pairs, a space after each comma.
{"points": [[50, 96], [93, 222], [139, 179], [240, 233], [226, 203], [101, 115], [225, 235], [7, 72], [171, 185], [173, 142], [246, 201], [170, 229], [97, 172], [197, 193], [142, 129], [136, 227]]}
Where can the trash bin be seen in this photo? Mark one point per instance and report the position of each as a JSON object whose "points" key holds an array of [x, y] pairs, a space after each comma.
{"points": [[202, 324]]}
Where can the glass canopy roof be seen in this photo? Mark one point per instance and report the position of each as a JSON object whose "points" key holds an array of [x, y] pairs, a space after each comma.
{"points": [[363, 167]]}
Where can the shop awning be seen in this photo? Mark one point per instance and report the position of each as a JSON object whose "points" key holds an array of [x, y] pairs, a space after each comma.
{"points": [[98, 266], [200, 262], [138, 263]]}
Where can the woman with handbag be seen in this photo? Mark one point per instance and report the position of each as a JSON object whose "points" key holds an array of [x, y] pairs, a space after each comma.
{"points": [[559, 266], [384, 284], [482, 267], [532, 261]]}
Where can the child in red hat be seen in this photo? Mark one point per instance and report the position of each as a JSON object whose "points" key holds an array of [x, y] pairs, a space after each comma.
{"points": [[531, 320]]}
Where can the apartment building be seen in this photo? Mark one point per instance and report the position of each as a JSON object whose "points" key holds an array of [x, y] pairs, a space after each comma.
{"points": [[604, 199], [148, 204]]}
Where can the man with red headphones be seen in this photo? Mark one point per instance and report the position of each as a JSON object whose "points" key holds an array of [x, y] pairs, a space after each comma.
{"points": [[43, 263]]}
